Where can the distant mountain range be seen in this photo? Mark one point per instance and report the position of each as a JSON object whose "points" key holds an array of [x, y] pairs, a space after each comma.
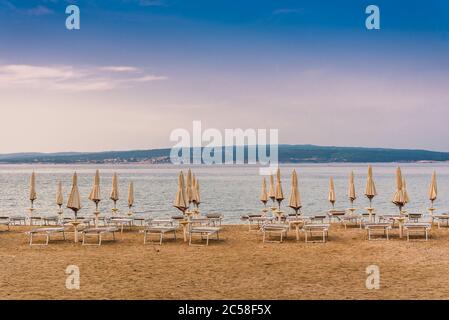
{"points": [[287, 154]]}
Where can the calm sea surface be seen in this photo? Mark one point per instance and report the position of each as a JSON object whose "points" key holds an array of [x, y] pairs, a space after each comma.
{"points": [[232, 191]]}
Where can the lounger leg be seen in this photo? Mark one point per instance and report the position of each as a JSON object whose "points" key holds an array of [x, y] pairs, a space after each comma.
{"points": [[48, 239], [99, 239], [145, 237], [161, 237], [207, 240], [31, 239], [388, 235]]}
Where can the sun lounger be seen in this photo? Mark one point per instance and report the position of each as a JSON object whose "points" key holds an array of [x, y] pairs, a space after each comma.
{"points": [[440, 218], [417, 228], [337, 214], [376, 227], [4, 221], [269, 229], [311, 229], [159, 229], [414, 217], [215, 218], [319, 218], [45, 232], [258, 220], [50, 220], [121, 223], [17, 220], [201, 227], [98, 233], [352, 219]]}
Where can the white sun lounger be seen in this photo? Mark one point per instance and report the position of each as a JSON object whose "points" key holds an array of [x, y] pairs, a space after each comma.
{"points": [[311, 229], [160, 227], [352, 218], [98, 233], [417, 228], [45, 232], [377, 227], [4, 221], [337, 214], [280, 229], [440, 218], [202, 228]]}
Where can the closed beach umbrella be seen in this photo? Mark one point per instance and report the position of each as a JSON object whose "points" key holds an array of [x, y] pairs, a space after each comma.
{"points": [[398, 198], [433, 192], [130, 195], [331, 197], [59, 195], [194, 191], [197, 193], [264, 194], [74, 201], [278, 193], [404, 190], [33, 195], [95, 195], [188, 187], [180, 201], [370, 189], [351, 189], [295, 199], [114, 192], [271, 192]]}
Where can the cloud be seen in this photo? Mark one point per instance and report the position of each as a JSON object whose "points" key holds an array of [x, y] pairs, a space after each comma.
{"points": [[286, 11], [38, 11], [70, 78], [119, 69]]}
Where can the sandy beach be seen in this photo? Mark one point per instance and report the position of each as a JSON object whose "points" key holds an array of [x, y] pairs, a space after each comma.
{"points": [[238, 267]]}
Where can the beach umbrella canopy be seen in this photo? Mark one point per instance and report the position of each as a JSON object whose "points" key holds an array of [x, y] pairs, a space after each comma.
{"points": [[114, 191], [59, 195], [370, 189], [74, 201], [197, 193], [188, 187], [279, 193], [263, 194], [351, 188], [130, 195], [398, 197], [331, 196], [194, 192], [271, 192], [95, 195], [32, 195], [404, 190], [180, 201], [433, 192], [295, 198]]}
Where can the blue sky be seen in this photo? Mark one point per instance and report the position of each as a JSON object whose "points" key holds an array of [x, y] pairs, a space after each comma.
{"points": [[142, 68]]}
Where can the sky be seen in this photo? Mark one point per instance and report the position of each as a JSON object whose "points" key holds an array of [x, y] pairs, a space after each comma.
{"points": [[139, 69]]}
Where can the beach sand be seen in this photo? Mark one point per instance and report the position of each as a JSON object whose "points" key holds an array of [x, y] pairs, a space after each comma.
{"points": [[239, 267]]}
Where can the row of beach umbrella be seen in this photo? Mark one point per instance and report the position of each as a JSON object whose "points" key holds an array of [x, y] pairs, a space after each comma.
{"points": [[400, 197], [74, 199]]}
